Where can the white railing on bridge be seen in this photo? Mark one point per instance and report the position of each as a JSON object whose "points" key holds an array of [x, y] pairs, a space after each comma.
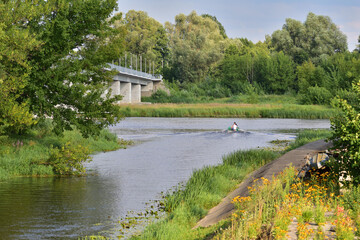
{"points": [[156, 77]]}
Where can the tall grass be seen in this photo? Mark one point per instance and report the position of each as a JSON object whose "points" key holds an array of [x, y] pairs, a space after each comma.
{"points": [[205, 189], [27, 155], [230, 110]]}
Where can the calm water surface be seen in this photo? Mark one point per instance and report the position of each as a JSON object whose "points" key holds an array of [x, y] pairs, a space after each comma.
{"points": [[168, 150]]}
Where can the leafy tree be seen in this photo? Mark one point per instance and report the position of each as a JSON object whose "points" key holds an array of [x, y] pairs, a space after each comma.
{"points": [[221, 27], [197, 45], [342, 70], [317, 36], [144, 37], [67, 75], [346, 141], [16, 42], [310, 75], [278, 74]]}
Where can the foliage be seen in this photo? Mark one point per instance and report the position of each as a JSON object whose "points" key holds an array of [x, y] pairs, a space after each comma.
{"points": [[16, 42], [345, 137], [68, 82], [255, 65], [310, 75], [196, 44], [221, 27], [69, 159], [317, 36], [316, 95], [144, 37], [28, 154]]}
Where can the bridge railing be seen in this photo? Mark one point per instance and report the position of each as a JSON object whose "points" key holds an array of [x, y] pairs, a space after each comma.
{"points": [[133, 72]]}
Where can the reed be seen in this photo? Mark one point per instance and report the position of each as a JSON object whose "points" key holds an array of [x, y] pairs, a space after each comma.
{"points": [[230, 110]]}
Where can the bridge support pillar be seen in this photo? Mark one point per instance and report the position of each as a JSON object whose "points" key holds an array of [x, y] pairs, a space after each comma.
{"points": [[115, 88], [135, 93], [125, 91], [147, 90]]}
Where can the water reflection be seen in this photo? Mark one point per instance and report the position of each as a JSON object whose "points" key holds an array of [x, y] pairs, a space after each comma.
{"points": [[123, 180]]}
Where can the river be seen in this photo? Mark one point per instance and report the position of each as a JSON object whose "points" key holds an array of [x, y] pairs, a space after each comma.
{"points": [[166, 152]]}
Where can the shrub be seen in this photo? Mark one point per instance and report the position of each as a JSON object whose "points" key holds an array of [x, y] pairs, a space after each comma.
{"points": [[68, 160], [349, 96], [160, 96], [346, 141], [316, 95]]}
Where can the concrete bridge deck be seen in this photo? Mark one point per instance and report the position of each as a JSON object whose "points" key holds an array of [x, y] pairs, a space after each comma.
{"points": [[132, 84]]}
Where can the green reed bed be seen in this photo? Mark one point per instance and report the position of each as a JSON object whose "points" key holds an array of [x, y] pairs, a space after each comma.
{"points": [[28, 155], [205, 189], [230, 110]]}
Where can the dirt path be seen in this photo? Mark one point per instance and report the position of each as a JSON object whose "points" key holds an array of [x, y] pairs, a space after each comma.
{"points": [[295, 158]]}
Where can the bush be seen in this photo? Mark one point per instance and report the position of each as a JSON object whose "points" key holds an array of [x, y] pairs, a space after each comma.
{"points": [[160, 96], [69, 159], [349, 96], [316, 95], [346, 141]]}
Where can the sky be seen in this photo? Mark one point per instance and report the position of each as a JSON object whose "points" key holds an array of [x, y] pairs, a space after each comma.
{"points": [[254, 19]]}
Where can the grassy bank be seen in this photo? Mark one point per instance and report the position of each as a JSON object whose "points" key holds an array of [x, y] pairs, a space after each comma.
{"points": [[28, 155], [205, 189], [229, 110]]}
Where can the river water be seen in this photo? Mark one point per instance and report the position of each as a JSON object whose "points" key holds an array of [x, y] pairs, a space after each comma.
{"points": [[166, 152]]}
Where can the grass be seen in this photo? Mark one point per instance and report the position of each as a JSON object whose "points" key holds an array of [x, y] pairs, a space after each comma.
{"points": [[186, 205], [273, 110], [28, 155]]}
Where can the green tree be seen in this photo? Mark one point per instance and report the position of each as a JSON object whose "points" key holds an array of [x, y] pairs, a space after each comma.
{"points": [[346, 140], [221, 27], [16, 42], [278, 74], [196, 44], [310, 75], [67, 75], [144, 37], [317, 36]]}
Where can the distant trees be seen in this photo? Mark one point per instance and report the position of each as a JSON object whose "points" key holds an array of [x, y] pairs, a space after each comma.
{"points": [[196, 45], [144, 37], [256, 65], [316, 37]]}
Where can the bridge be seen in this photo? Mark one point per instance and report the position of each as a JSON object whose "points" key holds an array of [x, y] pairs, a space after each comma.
{"points": [[133, 84]]}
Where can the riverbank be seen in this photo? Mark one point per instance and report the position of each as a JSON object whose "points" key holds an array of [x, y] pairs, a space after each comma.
{"points": [[229, 110], [28, 154], [205, 189]]}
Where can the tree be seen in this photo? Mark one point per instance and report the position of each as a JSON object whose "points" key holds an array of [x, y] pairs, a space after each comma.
{"points": [[310, 75], [16, 42], [346, 140], [67, 75], [196, 44], [278, 74], [221, 27], [317, 36], [144, 37]]}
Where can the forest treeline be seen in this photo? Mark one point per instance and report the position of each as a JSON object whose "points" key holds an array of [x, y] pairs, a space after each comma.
{"points": [[197, 58], [53, 55]]}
